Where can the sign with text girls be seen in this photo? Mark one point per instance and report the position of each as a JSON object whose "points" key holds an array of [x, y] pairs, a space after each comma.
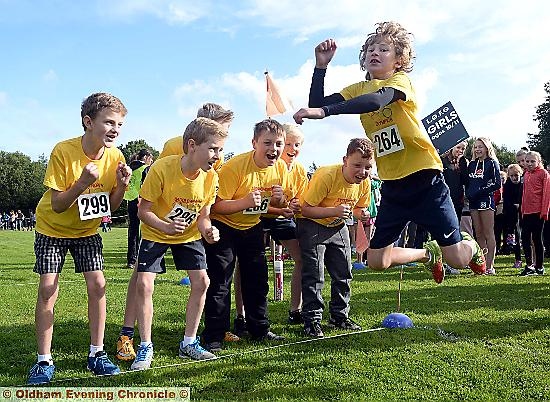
{"points": [[445, 128]]}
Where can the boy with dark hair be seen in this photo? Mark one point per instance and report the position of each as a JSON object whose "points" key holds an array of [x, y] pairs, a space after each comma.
{"points": [[334, 193]]}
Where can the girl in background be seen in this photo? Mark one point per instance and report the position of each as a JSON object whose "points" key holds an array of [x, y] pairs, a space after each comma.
{"points": [[483, 180], [511, 201], [535, 207]]}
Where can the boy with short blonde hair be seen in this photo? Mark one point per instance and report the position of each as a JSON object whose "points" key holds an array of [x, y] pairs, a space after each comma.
{"points": [[334, 193], [86, 179], [175, 210]]}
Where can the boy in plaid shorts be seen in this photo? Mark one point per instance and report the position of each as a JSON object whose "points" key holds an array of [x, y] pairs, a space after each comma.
{"points": [[86, 179]]}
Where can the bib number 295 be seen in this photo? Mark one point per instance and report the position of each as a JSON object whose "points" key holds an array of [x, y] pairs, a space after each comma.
{"points": [[94, 205]]}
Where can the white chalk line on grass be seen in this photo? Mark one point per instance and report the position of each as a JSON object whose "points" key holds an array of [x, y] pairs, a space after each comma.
{"points": [[228, 356], [157, 282]]}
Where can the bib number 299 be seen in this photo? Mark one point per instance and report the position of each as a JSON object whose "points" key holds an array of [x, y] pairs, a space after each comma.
{"points": [[94, 205]]}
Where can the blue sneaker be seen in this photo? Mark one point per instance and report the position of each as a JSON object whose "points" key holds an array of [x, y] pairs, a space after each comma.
{"points": [[195, 351], [358, 265], [41, 373], [144, 356], [101, 365]]}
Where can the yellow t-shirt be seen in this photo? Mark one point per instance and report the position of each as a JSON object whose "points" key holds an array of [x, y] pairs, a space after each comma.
{"points": [[297, 179], [239, 176], [401, 146], [174, 146], [65, 166], [173, 194], [329, 188]]}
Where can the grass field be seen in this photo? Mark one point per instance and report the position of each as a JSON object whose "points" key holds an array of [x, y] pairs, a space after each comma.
{"points": [[482, 338]]}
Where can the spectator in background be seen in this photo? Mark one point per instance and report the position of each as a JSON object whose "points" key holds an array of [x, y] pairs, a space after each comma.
{"points": [[511, 201], [535, 207], [140, 166], [483, 180], [500, 237]]}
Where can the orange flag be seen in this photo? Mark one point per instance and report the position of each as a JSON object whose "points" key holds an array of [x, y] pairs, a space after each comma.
{"points": [[361, 241], [274, 104]]}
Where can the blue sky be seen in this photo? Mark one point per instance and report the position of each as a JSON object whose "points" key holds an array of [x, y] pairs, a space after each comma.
{"points": [[163, 59]]}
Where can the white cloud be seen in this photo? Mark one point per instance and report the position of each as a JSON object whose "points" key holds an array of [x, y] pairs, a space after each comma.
{"points": [[172, 11], [50, 76]]}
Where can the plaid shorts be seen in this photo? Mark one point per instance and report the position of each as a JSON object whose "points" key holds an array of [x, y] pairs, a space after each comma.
{"points": [[87, 253]]}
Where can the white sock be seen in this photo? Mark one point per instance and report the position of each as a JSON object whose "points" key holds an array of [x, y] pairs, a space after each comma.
{"points": [[45, 358], [144, 344], [94, 349], [188, 340]]}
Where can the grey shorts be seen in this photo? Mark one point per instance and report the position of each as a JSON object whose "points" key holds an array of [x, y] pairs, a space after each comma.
{"points": [[187, 256], [87, 253]]}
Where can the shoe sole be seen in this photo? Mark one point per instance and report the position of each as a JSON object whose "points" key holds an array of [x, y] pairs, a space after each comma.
{"points": [[125, 358], [192, 358]]}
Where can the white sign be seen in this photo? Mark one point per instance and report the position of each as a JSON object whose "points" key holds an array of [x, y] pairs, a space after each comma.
{"points": [[94, 205]]}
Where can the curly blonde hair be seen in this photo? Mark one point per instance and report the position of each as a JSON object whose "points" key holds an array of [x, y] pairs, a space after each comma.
{"points": [[399, 37]]}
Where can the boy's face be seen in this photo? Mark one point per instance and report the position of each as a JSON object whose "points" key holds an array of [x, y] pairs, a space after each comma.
{"points": [[105, 127], [268, 148], [293, 145], [356, 168], [531, 162], [381, 61], [208, 153]]}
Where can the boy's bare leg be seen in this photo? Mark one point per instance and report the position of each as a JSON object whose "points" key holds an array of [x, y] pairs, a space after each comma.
{"points": [[389, 256], [195, 305], [145, 286], [48, 289], [130, 311], [97, 305], [293, 248]]}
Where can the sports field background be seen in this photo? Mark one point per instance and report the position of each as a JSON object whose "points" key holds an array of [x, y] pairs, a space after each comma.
{"points": [[474, 337]]}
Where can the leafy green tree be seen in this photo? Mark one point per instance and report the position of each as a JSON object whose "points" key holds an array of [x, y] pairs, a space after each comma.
{"points": [[541, 141], [134, 147], [21, 181]]}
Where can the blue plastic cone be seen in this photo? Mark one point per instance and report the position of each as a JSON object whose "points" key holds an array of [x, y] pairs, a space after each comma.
{"points": [[185, 281], [397, 320]]}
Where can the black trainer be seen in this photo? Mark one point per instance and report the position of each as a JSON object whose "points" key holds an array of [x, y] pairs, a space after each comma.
{"points": [[313, 330], [239, 326], [346, 323], [295, 317], [528, 271], [539, 271], [269, 336], [214, 346]]}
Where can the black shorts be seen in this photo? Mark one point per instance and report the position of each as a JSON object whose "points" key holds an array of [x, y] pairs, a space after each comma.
{"points": [[280, 228], [187, 256], [422, 198], [87, 253]]}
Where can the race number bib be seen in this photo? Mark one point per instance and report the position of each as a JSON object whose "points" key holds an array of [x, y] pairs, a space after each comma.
{"points": [[387, 141], [181, 212], [94, 205], [260, 209]]}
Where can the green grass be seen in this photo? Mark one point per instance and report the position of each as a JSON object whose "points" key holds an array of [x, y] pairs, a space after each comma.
{"points": [[474, 338]]}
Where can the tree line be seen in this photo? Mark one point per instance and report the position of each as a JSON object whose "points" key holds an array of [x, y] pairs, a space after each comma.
{"points": [[21, 179]]}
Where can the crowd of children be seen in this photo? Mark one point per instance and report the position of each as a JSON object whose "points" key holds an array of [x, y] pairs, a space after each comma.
{"points": [[213, 215]]}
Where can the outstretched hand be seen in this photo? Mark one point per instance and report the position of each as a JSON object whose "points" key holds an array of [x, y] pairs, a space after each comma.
{"points": [[308, 113]]}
